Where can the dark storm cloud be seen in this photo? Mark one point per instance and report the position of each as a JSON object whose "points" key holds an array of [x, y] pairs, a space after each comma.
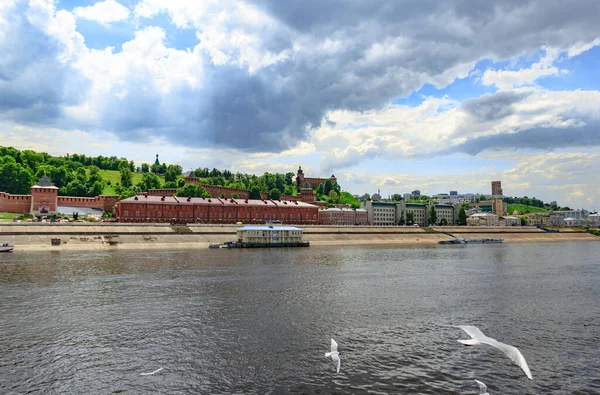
{"points": [[542, 138], [420, 41], [493, 107]]}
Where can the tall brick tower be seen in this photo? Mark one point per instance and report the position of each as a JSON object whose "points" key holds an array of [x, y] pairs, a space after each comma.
{"points": [[496, 188], [299, 179], [44, 197]]}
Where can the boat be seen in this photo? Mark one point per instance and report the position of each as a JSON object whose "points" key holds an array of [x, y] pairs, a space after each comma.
{"points": [[6, 247], [273, 234], [462, 240], [487, 240], [214, 245], [456, 240]]}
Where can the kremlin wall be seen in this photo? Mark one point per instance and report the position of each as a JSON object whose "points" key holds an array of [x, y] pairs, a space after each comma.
{"points": [[44, 200]]}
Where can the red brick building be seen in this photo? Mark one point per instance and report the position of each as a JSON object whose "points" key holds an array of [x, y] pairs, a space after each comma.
{"points": [[343, 216], [148, 208]]}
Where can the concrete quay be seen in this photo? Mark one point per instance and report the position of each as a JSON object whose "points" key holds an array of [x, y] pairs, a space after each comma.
{"points": [[114, 236]]}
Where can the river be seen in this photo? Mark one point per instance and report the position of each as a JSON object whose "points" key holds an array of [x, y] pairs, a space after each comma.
{"points": [[259, 321]]}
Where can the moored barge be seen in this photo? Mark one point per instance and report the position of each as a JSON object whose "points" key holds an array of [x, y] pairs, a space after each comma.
{"points": [[263, 236]]}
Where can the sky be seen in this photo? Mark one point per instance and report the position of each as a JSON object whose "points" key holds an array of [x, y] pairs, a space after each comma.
{"points": [[388, 95]]}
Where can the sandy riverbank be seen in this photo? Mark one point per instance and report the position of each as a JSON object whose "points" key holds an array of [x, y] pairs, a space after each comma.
{"points": [[81, 236]]}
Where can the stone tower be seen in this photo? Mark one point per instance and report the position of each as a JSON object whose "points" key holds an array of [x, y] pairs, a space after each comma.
{"points": [[299, 179], [44, 197]]}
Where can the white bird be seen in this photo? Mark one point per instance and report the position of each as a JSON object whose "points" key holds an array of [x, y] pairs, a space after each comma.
{"points": [[148, 374], [334, 354], [482, 388], [512, 352]]}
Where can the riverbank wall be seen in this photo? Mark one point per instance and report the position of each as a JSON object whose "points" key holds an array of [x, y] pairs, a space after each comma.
{"points": [[85, 236]]}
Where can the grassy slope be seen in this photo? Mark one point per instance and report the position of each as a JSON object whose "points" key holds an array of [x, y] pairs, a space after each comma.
{"points": [[115, 178], [348, 198], [523, 209]]}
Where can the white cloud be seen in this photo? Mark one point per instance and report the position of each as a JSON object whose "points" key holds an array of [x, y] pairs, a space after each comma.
{"points": [[581, 47], [441, 125], [103, 12], [231, 32], [508, 79]]}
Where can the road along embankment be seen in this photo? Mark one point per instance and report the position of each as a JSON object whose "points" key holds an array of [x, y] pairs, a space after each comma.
{"points": [[84, 236]]}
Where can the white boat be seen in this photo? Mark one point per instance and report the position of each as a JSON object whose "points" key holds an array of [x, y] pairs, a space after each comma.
{"points": [[6, 247]]}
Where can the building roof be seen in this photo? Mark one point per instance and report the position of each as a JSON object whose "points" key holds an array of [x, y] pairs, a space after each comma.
{"points": [[191, 174], [383, 203], [483, 215], [44, 182], [215, 201], [265, 227]]}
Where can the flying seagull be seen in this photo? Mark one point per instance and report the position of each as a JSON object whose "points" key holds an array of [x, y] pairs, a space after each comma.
{"points": [[482, 388], [151, 373], [512, 352], [334, 354]]}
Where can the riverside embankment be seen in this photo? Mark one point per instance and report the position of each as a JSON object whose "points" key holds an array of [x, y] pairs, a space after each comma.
{"points": [[85, 236]]}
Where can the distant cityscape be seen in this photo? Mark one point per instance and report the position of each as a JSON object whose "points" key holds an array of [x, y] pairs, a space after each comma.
{"points": [[307, 200]]}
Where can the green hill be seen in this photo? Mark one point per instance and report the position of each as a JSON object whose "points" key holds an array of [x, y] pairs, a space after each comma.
{"points": [[348, 198], [113, 177], [523, 209]]}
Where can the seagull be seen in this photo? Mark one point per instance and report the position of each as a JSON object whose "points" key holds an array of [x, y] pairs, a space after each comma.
{"points": [[151, 373], [334, 354], [482, 388], [512, 352]]}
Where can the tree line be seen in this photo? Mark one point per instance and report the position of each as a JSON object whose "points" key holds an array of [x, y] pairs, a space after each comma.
{"points": [[79, 175]]}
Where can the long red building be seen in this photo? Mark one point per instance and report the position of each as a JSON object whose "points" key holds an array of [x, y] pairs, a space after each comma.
{"points": [[147, 208]]}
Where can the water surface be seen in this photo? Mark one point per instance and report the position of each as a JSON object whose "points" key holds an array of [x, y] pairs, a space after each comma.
{"points": [[259, 321]]}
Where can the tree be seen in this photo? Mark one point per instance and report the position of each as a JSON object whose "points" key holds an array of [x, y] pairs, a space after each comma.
{"points": [[180, 182], [523, 221], [397, 197], [149, 181], [222, 196], [432, 216], [192, 190], [171, 173], [288, 179], [337, 188], [334, 197], [170, 185], [462, 216], [255, 193], [443, 222], [74, 188], [235, 196], [145, 168], [410, 218], [126, 176], [328, 187], [320, 189], [275, 194], [289, 190], [14, 177], [96, 188]]}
